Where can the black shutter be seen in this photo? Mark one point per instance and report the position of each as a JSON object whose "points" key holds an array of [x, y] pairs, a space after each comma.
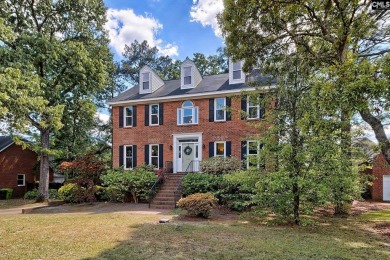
{"points": [[243, 107], [228, 149], [243, 150], [160, 156], [134, 156], [262, 106], [146, 115], [229, 110], [147, 154], [120, 117], [120, 155], [134, 116], [161, 114], [211, 110], [211, 149]]}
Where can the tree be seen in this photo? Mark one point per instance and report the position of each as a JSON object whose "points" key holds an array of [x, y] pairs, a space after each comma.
{"points": [[337, 35], [63, 46], [213, 64]]}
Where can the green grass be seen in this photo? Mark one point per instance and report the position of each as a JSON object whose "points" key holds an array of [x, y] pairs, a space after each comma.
{"points": [[130, 236], [6, 204]]}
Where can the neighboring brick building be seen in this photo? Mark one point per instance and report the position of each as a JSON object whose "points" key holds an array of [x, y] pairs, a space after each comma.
{"points": [[186, 120], [381, 183], [17, 166]]}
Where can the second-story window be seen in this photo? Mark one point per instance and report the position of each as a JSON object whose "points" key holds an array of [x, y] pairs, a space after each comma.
{"points": [[237, 70], [145, 81], [154, 113], [187, 75], [253, 108], [187, 114], [128, 116], [220, 112]]}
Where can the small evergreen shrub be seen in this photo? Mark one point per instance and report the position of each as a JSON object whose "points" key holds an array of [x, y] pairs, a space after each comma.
{"points": [[31, 195], [70, 193], [220, 165], [200, 183], [198, 204], [53, 194]]}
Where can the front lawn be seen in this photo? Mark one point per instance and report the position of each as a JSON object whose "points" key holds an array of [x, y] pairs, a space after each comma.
{"points": [[6, 204], [136, 236]]}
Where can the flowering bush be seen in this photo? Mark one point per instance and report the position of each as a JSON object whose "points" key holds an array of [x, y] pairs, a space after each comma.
{"points": [[198, 204], [220, 165]]}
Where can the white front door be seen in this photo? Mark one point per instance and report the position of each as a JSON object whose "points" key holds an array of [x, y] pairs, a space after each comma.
{"points": [[187, 148], [188, 155]]}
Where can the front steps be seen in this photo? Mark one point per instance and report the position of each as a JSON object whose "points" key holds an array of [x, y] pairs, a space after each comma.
{"points": [[165, 198]]}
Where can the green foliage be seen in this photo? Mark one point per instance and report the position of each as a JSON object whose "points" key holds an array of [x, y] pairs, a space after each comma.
{"points": [[101, 193], [31, 195], [137, 182], [220, 165], [200, 183], [69, 192], [238, 190], [198, 204]]}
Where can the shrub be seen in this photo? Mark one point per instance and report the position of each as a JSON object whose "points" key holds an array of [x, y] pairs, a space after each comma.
{"points": [[53, 194], [200, 183], [137, 182], [101, 193], [31, 195], [220, 165], [199, 204], [71, 193]]}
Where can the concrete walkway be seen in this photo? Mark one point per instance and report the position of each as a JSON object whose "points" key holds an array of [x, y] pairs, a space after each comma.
{"points": [[20, 209]]}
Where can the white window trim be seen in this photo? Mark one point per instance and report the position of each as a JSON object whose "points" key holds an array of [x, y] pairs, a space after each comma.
{"points": [[215, 110], [247, 153], [224, 149], [125, 117], [247, 109], [195, 111], [24, 180], [142, 81], [124, 157], [158, 154], [158, 114]]}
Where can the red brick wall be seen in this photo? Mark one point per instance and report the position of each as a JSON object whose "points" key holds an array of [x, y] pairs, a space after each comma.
{"points": [[379, 168], [235, 130], [13, 161]]}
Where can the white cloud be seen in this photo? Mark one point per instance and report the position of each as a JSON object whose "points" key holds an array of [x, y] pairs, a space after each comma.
{"points": [[103, 117], [205, 12], [124, 26]]}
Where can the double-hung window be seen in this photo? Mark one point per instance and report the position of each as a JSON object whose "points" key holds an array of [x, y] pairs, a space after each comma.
{"points": [[220, 149], [220, 111], [187, 114], [154, 114], [128, 116], [145, 81], [128, 157], [252, 158], [237, 70], [187, 75], [153, 155], [253, 108], [21, 180]]}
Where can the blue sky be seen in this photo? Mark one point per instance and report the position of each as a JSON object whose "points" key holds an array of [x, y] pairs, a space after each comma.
{"points": [[178, 28]]}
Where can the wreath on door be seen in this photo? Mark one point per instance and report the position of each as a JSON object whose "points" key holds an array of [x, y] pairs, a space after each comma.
{"points": [[188, 150]]}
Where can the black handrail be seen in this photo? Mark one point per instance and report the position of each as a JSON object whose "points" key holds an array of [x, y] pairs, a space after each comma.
{"points": [[153, 190]]}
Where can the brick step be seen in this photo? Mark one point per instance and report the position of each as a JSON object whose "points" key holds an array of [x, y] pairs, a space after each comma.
{"points": [[164, 198], [161, 206], [164, 203]]}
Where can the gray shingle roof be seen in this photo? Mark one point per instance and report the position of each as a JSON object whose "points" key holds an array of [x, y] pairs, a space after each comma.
{"points": [[171, 88], [5, 141]]}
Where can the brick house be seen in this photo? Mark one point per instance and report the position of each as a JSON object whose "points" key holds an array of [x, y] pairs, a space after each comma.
{"points": [[182, 122], [17, 167], [381, 185]]}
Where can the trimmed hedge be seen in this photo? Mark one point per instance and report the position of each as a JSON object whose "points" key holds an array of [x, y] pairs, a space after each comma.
{"points": [[198, 204]]}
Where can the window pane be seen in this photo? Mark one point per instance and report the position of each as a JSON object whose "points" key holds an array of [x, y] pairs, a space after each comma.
{"points": [[220, 103], [154, 149], [220, 149], [253, 112], [187, 80], [129, 162], [252, 148], [196, 151], [145, 85], [145, 77], [196, 115], [237, 74], [154, 109], [187, 71], [187, 118], [129, 111], [129, 151], [252, 161], [237, 65], [129, 121], [154, 119], [155, 161], [220, 114], [179, 113], [179, 152], [187, 104]]}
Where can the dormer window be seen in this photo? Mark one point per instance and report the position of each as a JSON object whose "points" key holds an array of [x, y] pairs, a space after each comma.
{"points": [[187, 75], [237, 66], [145, 81]]}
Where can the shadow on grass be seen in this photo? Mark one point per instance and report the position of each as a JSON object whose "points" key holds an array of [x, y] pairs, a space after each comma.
{"points": [[177, 240]]}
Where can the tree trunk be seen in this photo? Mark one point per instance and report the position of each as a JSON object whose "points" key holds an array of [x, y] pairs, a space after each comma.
{"points": [[379, 132], [44, 167]]}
